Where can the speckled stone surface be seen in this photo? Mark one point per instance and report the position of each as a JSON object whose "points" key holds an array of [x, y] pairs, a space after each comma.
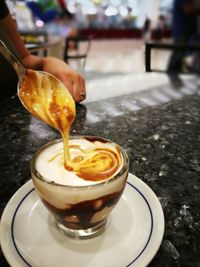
{"points": [[163, 144]]}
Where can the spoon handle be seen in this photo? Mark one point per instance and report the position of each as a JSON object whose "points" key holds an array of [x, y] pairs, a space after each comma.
{"points": [[20, 70]]}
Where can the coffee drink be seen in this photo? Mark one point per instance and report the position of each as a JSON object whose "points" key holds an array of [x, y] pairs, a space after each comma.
{"points": [[82, 199], [79, 179]]}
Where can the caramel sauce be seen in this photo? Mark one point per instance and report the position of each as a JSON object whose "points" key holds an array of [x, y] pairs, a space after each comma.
{"points": [[49, 100]]}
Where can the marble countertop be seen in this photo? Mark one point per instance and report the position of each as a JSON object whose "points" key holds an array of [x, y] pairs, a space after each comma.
{"points": [[162, 142]]}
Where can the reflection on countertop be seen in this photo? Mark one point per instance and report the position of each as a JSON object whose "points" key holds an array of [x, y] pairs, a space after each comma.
{"points": [[162, 142]]}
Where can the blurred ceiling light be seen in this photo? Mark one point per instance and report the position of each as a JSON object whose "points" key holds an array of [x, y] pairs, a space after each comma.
{"points": [[111, 11], [115, 2], [39, 23], [104, 3], [132, 3], [71, 7], [123, 11], [90, 10], [166, 3]]}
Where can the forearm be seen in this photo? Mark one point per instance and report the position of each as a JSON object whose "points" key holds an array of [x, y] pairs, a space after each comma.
{"points": [[10, 28], [73, 81]]}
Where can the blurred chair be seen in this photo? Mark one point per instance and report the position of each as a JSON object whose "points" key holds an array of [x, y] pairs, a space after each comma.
{"points": [[77, 48], [165, 46], [36, 42]]}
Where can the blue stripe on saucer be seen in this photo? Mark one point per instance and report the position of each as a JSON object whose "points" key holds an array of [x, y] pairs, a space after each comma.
{"points": [[151, 229], [12, 226]]}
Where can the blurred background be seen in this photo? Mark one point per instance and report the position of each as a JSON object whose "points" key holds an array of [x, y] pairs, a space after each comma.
{"points": [[115, 34], [53, 15]]}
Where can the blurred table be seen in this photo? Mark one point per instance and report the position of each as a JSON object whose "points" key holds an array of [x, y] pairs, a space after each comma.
{"points": [[162, 142], [44, 44]]}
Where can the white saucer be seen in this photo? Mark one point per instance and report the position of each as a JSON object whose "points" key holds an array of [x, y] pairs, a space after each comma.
{"points": [[132, 238]]}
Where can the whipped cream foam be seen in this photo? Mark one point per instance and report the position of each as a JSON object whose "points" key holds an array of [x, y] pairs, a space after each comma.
{"points": [[50, 161]]}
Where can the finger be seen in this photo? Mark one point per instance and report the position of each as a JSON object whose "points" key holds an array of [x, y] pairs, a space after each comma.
{"points": [[75, 86], [83, 86], [79, 91], [69, 85]]}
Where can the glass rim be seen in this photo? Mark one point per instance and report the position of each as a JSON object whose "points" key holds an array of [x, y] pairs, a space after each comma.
{"points": [[38, 176]]}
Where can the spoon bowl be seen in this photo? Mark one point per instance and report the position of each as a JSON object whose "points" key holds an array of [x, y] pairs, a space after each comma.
{"points": [[42, 94], [47, 98]]}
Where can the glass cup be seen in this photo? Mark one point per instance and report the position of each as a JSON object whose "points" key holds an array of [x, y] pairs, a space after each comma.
{"points": [[80, 212]]}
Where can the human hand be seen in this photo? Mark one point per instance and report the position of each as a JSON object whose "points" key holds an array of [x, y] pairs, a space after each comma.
{"points": [[73, 81]]}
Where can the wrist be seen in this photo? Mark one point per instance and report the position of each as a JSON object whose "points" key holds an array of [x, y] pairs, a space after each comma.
{"points": [[32, 62]]}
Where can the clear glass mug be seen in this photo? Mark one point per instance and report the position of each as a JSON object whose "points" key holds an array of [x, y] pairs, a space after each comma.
{"points": [[80, 211]]}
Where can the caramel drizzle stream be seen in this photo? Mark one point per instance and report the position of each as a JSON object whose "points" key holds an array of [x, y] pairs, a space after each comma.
{"points": [[49, 100]]}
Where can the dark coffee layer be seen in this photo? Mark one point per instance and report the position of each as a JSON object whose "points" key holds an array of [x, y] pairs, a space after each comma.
{"points": [[80, 215]]}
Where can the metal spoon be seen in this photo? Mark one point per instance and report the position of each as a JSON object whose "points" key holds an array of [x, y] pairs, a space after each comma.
{"points": [[42, 94], [20, 70]]}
